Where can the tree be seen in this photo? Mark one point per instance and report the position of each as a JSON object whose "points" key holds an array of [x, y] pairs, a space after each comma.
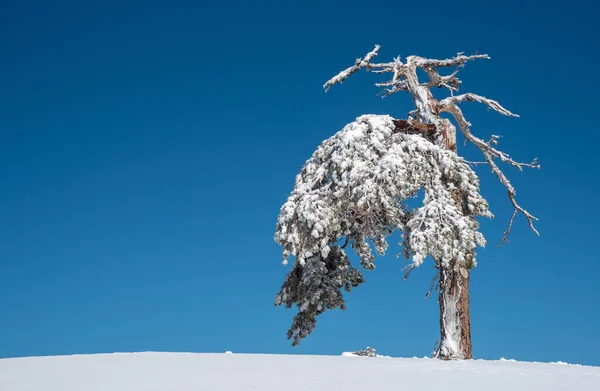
{"points": [[353, 190]]}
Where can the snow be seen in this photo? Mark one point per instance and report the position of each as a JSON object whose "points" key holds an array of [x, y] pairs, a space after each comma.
{"points": [[240, 372]]}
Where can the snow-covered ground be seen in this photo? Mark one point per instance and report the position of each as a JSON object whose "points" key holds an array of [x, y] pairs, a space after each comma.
{"points": [[241, 372]]}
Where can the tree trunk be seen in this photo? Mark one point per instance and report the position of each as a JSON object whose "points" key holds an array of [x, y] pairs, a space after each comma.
{"points": [[455, 318], [455, 315]]}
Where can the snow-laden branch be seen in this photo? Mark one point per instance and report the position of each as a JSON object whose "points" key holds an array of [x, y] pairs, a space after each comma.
{"points": [[490, 153], [354, 188], [359, 64], [354, 184]]}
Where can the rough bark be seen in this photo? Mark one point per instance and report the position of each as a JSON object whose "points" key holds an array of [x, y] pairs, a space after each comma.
{"points": [[455, 318]]}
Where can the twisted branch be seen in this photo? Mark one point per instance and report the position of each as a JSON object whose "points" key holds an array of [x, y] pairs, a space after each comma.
{"points": [[451, 82], [359, 64], [401, 70], [470, 97], [449, 105], [489, 153]]}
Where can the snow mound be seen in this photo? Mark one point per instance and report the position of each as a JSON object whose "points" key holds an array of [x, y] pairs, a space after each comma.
{"points": [[237, 372]]}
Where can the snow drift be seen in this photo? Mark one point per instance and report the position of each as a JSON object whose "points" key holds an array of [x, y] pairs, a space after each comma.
{"points": [[237, 372]]}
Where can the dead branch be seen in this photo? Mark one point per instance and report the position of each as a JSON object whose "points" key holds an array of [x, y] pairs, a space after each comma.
{"points": [[475, 163], [448, 105], [458, 61], [489, 153], [451, 82], [493, 139], [359, 64], [395, 87], [402, 71], [469, 97]]}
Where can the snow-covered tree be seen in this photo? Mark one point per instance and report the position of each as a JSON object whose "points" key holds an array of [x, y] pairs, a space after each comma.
{"points": [[353, 190]]}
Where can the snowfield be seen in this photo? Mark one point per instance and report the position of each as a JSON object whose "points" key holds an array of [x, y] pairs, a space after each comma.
{"points": [[240, 372]]}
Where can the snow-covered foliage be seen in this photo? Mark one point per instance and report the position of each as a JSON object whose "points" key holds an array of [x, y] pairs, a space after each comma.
{"points": [[354, 189], [316, 286]]}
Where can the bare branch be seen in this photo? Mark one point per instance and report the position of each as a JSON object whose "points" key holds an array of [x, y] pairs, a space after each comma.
{"points": [[448, 105], [510, 223], [457, 61], [493, 139], [451, 82], [489, 153], [469, 97], [360, 63], [390, 83], [382, 68], [396, 85]]}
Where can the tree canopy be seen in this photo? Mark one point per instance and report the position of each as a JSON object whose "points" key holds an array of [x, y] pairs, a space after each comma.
{"points": [[353, 190]]}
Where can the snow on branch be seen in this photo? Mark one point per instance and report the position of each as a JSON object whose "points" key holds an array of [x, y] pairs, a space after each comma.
{"points": [[458, 61], [354, 185], [360, 63]]}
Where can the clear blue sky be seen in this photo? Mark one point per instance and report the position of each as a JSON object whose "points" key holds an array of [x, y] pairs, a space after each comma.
{"points": [[146, 147]]}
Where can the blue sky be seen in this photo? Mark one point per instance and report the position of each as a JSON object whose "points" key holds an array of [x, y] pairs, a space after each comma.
{"points": [[146, 147]]}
